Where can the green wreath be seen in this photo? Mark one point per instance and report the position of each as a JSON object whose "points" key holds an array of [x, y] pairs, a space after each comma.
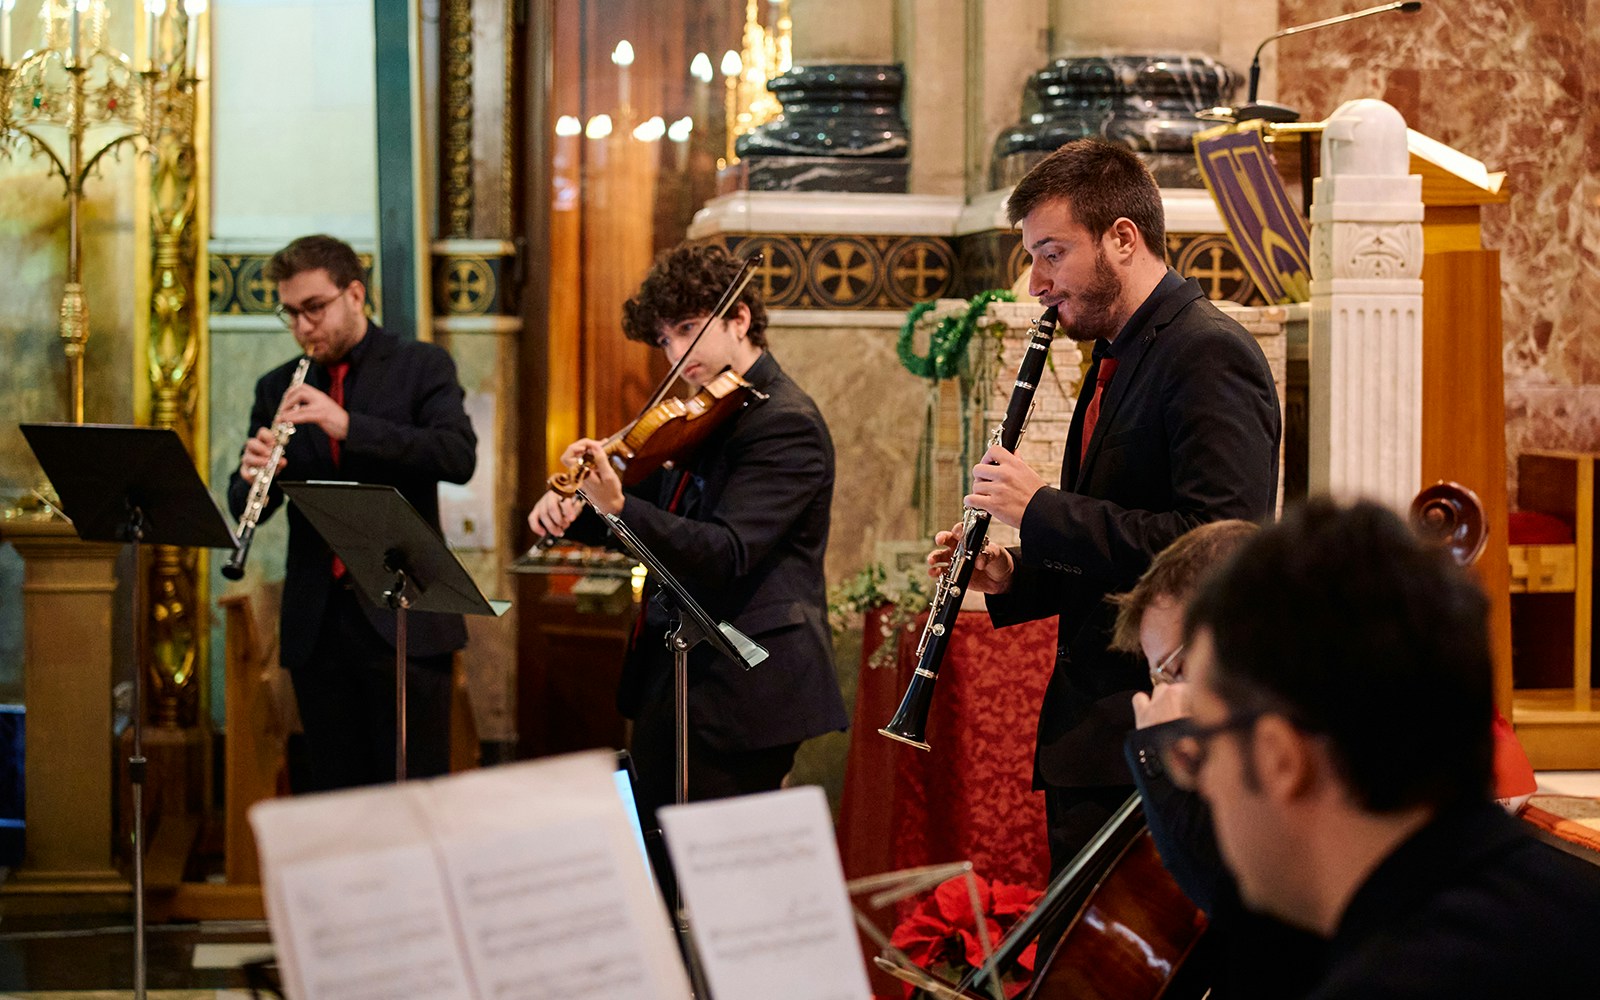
{"points": [[947, 344]]}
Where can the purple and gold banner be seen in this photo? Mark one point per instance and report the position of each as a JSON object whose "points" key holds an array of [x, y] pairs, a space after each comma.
{"points": [[1264, 225]]}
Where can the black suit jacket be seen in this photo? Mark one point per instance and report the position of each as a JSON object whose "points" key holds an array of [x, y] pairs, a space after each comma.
{"points": [[748, 543], [1188, 433], [1471, 906], [408, 430]]}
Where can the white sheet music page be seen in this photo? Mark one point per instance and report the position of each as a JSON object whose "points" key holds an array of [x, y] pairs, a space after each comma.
{"points": [[356, 898], [554, 898], [761, 878], [511, 883]]}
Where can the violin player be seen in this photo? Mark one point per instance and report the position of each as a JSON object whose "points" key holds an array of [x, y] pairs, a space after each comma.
{"points": [[743, 524]]}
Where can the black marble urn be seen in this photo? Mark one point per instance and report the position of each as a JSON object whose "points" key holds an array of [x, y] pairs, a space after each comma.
{"points": [[840, 130], [1151, 103]]}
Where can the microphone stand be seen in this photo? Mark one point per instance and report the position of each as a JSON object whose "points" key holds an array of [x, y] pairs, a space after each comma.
{"points": [[1277, 113]]}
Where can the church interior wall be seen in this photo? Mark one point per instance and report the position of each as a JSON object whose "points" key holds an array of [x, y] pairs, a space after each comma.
{"points": [[1514, 85]]}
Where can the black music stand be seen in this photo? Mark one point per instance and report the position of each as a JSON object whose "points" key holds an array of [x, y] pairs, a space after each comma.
{"points": [[137, 486], [690, 627], [397, 560]]}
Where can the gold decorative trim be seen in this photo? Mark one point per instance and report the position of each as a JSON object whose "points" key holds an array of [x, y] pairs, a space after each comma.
{"points": [[865, 273], [455, 41]]}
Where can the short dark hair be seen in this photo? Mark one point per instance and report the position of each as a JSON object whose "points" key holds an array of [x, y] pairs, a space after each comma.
{"points": [[319, 252], [1176, 572], [1103, 182], [1345, 622], [686, 281]]}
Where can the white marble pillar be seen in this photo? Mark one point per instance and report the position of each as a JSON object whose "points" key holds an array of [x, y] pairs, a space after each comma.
{"points": [[1227, 30], [1008, 43], [931, 47], [1366, 310], [827, 31]]}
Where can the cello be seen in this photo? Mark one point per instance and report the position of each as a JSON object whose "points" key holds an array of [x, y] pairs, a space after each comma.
{"points": [[1131, 932]]}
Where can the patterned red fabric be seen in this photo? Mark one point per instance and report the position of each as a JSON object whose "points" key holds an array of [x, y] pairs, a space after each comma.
{"points": [[971, 796]]}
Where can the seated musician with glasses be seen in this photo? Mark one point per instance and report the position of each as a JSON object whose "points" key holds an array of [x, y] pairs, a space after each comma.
{"points": [[1245, 955], [1339, 681], [373, 408]]}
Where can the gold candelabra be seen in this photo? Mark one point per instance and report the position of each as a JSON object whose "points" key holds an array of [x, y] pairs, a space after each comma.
{"points": [[74, 99], [765, 52], [91, 99]]}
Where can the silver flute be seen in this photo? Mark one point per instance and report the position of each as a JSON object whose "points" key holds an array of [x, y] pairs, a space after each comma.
{"points": [[261, 485]]}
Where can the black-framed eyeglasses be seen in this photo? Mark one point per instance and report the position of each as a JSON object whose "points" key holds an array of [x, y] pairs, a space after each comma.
{"points": [[1186, 744], [311, 311]]}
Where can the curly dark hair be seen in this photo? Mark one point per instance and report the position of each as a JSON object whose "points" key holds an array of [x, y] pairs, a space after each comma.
{"points": [[311, 253], [1346, 623], [1103, 181], [687, 281]]}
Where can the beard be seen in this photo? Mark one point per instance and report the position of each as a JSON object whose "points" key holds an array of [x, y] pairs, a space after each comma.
{"points": [[1092, 307]]}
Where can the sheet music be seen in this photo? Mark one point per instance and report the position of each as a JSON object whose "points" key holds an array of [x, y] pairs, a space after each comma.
{"points": [[510, 883], [761, 878], [373, 927], [553, 894]]}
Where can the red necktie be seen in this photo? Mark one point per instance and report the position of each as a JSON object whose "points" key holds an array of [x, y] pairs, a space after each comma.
{"points": [[1091, 416], [336, 393]]}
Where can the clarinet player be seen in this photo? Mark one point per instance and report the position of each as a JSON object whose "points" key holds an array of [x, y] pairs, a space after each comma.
{"points": [[1177, 424], [372, 408]]}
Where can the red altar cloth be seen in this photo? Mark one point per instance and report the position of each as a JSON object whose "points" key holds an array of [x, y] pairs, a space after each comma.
{"points": [[971, 796]]}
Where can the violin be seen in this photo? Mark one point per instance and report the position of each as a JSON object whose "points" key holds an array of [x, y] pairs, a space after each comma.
{"points": [[670, 430]]}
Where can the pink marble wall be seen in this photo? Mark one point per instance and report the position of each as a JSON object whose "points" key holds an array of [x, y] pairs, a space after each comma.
{"points": [[1513, 83]]}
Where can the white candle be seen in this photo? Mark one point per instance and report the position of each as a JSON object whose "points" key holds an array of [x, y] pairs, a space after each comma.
{"points": [[152, 36], [194, 8], [622, 56], [73, 53], [5, 30]]}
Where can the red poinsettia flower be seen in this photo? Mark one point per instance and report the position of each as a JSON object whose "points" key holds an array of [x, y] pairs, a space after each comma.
{"points": [[941, 935]]}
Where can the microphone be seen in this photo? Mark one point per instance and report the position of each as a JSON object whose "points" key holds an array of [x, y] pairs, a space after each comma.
{"points": [[1273, 112]]}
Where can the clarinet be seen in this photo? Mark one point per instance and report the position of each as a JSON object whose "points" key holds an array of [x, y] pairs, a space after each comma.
{"points": [[262, 484], [910, 722]]}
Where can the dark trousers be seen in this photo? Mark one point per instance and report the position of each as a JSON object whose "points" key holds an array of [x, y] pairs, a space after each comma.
{"points": [[346, 696], [713, 773]]}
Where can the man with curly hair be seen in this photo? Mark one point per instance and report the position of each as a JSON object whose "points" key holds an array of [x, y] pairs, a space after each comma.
{"points": [[743, 524]]}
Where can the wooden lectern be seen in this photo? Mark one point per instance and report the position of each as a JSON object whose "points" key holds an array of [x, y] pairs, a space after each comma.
{"points": [[1463, 385]]}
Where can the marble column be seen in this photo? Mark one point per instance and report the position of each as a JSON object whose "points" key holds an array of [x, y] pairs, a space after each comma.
{"points": [[827, 31], [1228, 30], [1366, 310]]}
